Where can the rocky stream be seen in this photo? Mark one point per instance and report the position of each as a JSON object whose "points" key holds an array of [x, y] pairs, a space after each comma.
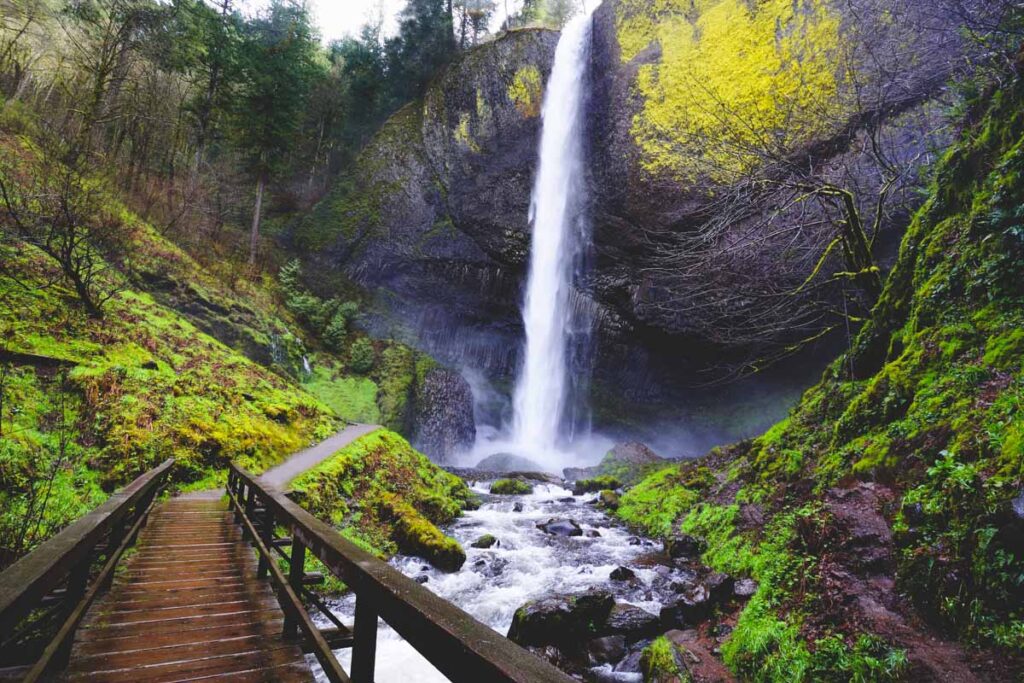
{"points": [[558, 575]]}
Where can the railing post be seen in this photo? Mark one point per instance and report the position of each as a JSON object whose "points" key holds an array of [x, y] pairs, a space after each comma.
{"points": [[78, 583], [114, 539], [364, 646], [266, 531], [250, 503], [296, 572]]}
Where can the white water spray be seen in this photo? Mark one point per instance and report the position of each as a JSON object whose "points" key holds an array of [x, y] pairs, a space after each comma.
{"points": [[556, 213]]}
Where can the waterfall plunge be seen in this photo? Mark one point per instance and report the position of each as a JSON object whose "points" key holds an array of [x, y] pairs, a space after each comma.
{"points": [[557, 214]]}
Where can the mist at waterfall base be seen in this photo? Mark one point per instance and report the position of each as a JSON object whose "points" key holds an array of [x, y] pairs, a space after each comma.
{"points": [[549, 423]]}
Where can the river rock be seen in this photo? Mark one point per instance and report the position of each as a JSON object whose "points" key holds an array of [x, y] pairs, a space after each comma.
{"points": [[561, 527], [602, 675], [559, 618], [631, 621], [606, 650], [518, 507], [592, 533], [745, 588], [719, 586], [622, 574], [485, 541], [689, 609], [578, 473], [508, 462], [609, 500], [491, 569], [629, 462], [684, 547]]}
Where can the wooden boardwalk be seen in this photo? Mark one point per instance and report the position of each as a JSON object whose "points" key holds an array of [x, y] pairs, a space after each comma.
{"points": [[187, 606]]}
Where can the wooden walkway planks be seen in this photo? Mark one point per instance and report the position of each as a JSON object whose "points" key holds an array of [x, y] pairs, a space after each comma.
{"points": [[187, 606]]}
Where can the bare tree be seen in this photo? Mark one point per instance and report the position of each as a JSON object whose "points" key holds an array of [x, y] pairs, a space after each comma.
{"points": [[788, 249], [59, 211]]}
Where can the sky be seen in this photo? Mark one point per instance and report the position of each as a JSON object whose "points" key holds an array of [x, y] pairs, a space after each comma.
{"points": [[338, 18]]}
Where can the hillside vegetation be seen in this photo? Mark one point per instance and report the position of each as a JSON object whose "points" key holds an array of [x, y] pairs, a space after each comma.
{"points": [[893, 491], [173, 361]]}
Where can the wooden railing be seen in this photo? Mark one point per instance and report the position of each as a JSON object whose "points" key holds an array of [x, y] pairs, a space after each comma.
{"points": [[55, 583], [459, 646]]}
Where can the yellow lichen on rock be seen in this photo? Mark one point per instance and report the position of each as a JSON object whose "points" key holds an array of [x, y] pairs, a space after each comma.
{"points": [[735, 79], [463, 134], [526, 91]]}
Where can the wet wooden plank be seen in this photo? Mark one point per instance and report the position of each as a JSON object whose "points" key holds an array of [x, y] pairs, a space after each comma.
{"points": [[187, 607]]}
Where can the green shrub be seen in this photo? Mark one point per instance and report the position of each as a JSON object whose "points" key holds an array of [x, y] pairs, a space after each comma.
{"points": [[511, 487], [361, 356]]}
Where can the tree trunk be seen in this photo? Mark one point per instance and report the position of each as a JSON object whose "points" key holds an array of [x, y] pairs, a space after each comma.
{"points": [[254, 235]]}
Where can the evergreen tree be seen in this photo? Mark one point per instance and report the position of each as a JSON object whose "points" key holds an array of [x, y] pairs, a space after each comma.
{"points": [[424, 45], [279, 63]]}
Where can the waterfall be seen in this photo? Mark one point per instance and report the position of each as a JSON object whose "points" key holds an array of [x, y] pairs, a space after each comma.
{"points": [[560, 235]]}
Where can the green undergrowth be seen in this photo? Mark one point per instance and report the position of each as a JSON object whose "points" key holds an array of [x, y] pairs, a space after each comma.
{"points": [[179, 365], [661, 662], [511, 487], [928, 404], [388, 497]]}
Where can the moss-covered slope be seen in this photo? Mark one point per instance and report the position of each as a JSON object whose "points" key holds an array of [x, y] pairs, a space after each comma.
{"points": [[902, 465], [385, 496]]}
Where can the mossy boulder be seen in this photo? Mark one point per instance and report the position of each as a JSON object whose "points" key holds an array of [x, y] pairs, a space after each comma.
{"points": [[560, 618], [511, 487], [484, 541], [623, 465], [608, 500], [416, 535], [595, 484], [662, 662], [381, 492]]}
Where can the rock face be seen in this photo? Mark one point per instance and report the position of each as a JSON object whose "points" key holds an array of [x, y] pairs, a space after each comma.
{"points": [[443, 420], [433, 215], [626, 464]]}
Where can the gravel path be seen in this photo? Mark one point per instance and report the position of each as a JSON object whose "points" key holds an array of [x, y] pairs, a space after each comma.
{"points": [[302, 461]]}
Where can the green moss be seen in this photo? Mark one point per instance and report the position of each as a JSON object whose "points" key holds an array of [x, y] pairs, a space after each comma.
{"points": [[511, 487], [661, 662], [381, 491], [656, 503], [351, 398], [597, 484], [1005, 350], [416, 535]]}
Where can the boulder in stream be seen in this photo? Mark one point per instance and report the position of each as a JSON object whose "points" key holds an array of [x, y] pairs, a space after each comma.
{"points": [[561, 527], [485, 541], [560, 618], [631, 621], [508, 462], [622, 574], [606, 650]]}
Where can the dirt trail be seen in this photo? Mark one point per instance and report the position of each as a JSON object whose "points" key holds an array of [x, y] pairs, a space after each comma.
{"points": [[302, 461]]}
